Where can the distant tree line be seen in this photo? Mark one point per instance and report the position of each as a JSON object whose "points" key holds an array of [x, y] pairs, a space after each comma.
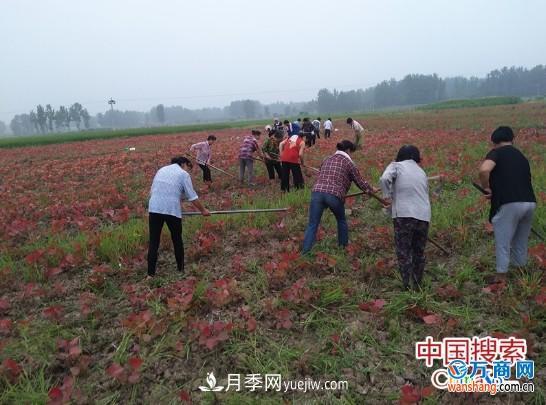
{"points": [[44, 120], [416, 89], [413, 89]]}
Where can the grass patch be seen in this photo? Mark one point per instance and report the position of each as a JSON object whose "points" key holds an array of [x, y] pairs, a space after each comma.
{"points": [[47, 139], [472, 102]]}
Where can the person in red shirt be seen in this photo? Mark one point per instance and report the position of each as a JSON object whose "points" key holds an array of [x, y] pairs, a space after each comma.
{"points": [[337, 172], [291, 153]]}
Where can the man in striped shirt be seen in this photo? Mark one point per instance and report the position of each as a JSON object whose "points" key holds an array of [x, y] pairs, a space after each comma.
{"points": [[337, 172], [246, 156], [359, 130]]}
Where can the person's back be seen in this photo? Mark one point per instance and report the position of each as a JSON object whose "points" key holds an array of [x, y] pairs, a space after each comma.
{"points": [[166, 190], [291, 150], [248, 146], [510, 179], [295, 128], [307, 127], [410, 191], [505, 176]]}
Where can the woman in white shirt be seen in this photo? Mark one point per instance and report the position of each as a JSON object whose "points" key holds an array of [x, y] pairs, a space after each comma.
{"points": [[171, 183], [406, 185]]}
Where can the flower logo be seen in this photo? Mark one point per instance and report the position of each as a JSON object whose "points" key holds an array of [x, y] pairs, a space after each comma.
{"points": [[211, 381]]}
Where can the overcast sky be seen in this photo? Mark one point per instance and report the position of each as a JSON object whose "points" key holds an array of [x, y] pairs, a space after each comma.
{"points": [[199, 53]]}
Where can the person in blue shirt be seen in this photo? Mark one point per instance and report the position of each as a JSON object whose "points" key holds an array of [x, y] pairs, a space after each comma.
{"points": [[171, 183]]}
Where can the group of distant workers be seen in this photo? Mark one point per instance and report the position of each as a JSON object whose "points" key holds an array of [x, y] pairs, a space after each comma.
{"points": [[505, 176]]}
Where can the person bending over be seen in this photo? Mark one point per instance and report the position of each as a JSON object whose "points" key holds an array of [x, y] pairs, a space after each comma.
{"points": [[204, 155], [337, 172], [505, 175], [405, 185], [171, 183]]}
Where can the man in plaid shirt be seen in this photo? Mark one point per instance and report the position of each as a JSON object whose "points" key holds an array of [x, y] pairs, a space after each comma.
{"points": [[246, 158], [334, 180]]}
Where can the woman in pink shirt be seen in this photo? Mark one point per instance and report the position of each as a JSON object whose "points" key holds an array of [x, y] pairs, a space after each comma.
{"points": [[204, 154]]}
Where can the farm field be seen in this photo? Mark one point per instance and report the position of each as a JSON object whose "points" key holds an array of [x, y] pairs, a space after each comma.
{"points": [[79, 323]]}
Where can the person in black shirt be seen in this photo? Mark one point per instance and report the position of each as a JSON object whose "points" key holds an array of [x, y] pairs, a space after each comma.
{"points": [[505, 175], [308, 131]]}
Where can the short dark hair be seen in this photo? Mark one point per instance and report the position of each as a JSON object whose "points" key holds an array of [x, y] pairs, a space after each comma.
{"points": [[329, 119], [256, 132], [502, 134], [211, 138], [286, 122], [299, 119], [318, 118], [345, 146], [306, 119], [408, 152], [181, 160], [349, 120]]}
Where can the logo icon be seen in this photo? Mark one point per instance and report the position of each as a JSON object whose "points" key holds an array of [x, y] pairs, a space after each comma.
{"points": [[211, 381], [457, 369]]}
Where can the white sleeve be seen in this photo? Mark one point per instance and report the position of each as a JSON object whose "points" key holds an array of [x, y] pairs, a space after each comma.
{"points": [[387, 179], [189, 192]]}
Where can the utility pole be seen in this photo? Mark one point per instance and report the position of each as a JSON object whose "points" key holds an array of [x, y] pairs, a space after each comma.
{"points": [[111, 102]]}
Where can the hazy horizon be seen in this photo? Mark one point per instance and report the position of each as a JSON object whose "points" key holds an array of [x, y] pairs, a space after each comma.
{"points": [[205, 54]]}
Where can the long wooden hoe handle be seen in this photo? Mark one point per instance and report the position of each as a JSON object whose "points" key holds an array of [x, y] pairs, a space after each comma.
{"points": [[214, 167], [382, 201], [250, 211]]}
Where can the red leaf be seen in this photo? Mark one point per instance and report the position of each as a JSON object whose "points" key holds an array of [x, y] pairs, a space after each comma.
{"points": [[374, 306], [52, 272], [495, 287], [448, 291], [185, 396], [251, 325], [134, 377], [115, 371], [409, 394], [427, 391], [5, 325], [12, 366], [4, 305], [135, 362], [54, 312], [55, 394], [432, 319]]}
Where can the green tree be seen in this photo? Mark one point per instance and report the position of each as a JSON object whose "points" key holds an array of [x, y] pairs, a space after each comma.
{"points": [[21, 124], [34, 121], [50, 115], [41, 118], [160, 113], [75, 114], [85, 117], [61, 118]]}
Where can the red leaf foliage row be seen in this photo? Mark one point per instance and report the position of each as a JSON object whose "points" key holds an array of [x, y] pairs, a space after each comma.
{"points": [[62, 394], [130, 373], [410, 394], [283, 318], [221, 292], [429, 318], [11, 370], [373, 306], [212, 334], [298, 293]]}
